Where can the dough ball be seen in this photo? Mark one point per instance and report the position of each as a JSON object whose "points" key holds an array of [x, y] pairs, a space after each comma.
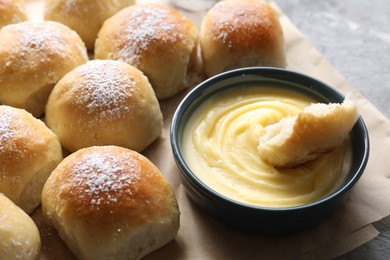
{"points": [[104, 102], [33, 57], [19, 236], [84, 16], [156, 39], [238, 33], [29, 152], [12, 11], [109, 202]]}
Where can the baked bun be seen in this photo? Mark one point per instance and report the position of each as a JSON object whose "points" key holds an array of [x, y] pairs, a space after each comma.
{"points": [[156, 39], [84, 16], [108, 202], [104, 102], [12, 11], [29, 151], [33, 57], [19, 236], [236, 33], [318, 129]]}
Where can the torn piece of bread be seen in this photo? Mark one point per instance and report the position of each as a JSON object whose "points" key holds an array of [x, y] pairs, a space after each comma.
{"points": [[319, 128]]}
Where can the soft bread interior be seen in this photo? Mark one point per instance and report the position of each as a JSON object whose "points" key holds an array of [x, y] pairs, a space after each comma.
{"points": [[319, 128]]}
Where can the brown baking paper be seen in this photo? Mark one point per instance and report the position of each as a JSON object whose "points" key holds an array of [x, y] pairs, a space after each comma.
{"points": [[201, 237]]}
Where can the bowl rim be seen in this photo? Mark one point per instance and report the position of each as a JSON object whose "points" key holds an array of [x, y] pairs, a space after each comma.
{"points": [[196, 93]]}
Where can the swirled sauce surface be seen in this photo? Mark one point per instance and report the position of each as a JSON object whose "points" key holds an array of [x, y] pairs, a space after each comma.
{"points": [[220, 143]]}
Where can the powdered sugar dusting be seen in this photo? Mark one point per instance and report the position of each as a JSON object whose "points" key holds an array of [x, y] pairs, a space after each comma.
{"points": [[145, 26], [229, 19], [105, 89], [42, 48], [104, 178], [41, 39], [6, 133], [23, 247], [69, 6]]}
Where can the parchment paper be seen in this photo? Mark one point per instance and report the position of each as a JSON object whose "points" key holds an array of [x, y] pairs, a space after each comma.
{"points": [[201, 237]]}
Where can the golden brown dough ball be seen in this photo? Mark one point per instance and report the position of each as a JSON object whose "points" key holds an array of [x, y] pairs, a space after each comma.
{"points": [[104, 102], [33, 57], [236, 33], [84, 16], [108, 202], [19, 236], [156, 39], [12, 11], [29, 151]]}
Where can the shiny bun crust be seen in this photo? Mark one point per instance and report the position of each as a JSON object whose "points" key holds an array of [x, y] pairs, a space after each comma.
{"points": [[156, 39], [29, 151], [84, 16], [109, 202], [33, 57], [19, 236], [12, 11], [236, 33], [104, 102]]}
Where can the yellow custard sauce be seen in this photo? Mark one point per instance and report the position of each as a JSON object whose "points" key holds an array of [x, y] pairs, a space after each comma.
{"points": [[220, 140]]}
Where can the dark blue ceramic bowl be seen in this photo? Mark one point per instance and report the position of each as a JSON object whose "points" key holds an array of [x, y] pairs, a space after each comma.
{"points": [[255, 218]]}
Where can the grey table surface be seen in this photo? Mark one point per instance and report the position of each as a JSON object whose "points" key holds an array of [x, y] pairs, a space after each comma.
{"points": [[354, 35]]}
